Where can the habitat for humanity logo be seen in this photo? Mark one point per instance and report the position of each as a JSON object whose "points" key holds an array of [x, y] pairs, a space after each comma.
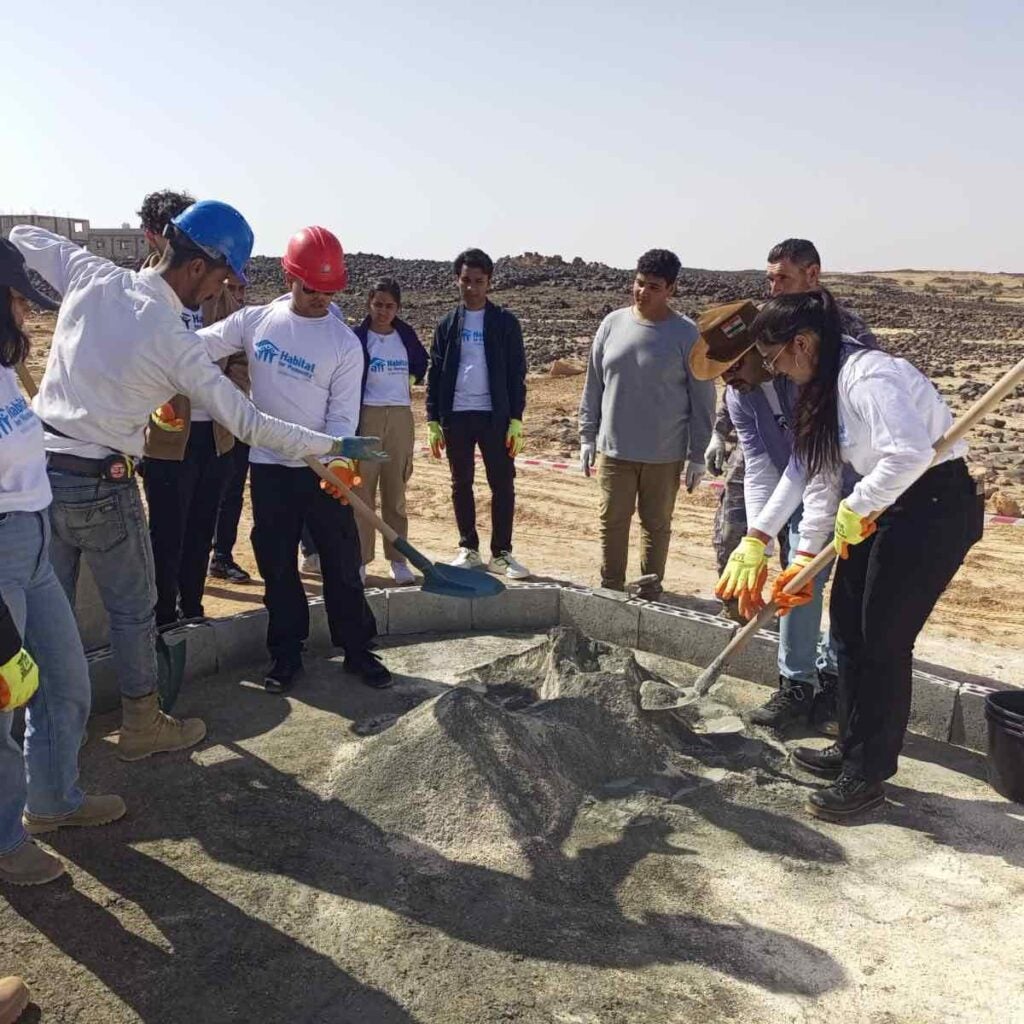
{"points": [[14, 414], [268, 352], [378, 365]]}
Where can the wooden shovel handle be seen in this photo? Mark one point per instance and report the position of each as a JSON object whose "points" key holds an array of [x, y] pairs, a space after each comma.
{"points": [[357, 503]]}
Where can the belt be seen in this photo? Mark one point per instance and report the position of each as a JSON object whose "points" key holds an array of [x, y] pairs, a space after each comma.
{"points": [[118, 469]]}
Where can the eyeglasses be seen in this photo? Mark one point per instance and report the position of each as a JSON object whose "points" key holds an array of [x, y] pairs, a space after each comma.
{"points": [[769, 364]]}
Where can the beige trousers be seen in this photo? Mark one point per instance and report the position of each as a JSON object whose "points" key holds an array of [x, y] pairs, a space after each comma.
{"points": [[626, 487], [393, 424]]}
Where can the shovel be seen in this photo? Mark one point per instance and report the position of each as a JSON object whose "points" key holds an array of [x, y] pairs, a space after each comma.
{"points": [[447, 580], [742, 637]]}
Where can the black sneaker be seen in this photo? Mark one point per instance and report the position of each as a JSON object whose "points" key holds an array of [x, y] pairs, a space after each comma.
{"points": [[847, 796], [228, 569], [825, 711], [826, 761], [789, 703], [282, 675], [370, 669]]}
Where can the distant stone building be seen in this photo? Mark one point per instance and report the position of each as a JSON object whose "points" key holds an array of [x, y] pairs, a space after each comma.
{"points": [[122, 245]]}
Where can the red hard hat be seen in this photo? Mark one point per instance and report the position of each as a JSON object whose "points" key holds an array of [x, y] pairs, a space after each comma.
{"points": [[316, 258]]}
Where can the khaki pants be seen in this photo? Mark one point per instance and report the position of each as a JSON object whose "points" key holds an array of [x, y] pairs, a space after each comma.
{"points": [[647, 487], [393, 424]]}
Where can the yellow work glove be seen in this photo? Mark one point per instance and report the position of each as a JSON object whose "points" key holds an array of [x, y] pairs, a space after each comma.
{"points": [[435, 438], [19, 679], [348, 471], [850, 529], [787, 602], [744, 576], [515, 442], [165, 419]]}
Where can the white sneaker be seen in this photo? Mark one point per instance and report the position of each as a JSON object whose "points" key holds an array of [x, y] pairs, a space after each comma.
{"points": [[362, 573], [467, 558], [310, 564], [402, 574], [505, 565]]}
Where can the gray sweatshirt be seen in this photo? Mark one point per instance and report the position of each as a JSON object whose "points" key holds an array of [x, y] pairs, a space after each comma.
{"points": [[640, 401]]}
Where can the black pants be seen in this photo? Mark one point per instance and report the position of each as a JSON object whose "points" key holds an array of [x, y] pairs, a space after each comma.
{"points": [[282, 499], [881, 598], [183, 499], [463, 433], [230, 511]]}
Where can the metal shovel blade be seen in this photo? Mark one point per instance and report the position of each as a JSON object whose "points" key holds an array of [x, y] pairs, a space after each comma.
{"points": [[452, 581]]}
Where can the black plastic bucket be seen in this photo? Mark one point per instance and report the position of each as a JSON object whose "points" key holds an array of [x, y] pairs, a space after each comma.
{"points": [[1004, 712]]}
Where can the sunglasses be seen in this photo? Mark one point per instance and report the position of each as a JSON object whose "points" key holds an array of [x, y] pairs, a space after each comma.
{"points": [[315, 291]]}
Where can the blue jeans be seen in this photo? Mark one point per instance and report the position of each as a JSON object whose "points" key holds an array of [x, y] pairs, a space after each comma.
{"points": [[105, 523], [45, 775], [803, 650]]}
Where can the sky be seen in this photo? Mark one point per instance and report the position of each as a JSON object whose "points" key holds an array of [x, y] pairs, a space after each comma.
{"points": [[892, 134]]}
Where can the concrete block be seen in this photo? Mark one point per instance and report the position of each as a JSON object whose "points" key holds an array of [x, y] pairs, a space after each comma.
{"points": [[106, 690], [698, 639], [241, 639], [410, 610], [523, 607], [377, 599], [615, 622], [969, 728], [93, 623], [200, 649], [933, 700]]}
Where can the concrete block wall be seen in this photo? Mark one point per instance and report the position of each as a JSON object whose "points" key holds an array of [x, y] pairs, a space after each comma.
{"points": [[942, 709]]}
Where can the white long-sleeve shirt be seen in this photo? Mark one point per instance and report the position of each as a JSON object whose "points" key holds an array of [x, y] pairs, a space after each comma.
{"points": [[24, 485], [890, 417], [120, 350], [305, 369]]}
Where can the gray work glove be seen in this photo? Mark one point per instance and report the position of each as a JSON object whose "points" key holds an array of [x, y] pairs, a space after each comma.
{"points": [[588, 452], [694, 475], [363, 449], [716, 455]]}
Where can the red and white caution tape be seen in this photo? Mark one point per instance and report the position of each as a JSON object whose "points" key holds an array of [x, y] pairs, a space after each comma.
{"points": [[715, 485]]}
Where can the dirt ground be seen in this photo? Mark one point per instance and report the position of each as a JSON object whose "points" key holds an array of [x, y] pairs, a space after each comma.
{"points": [[428, 855]]}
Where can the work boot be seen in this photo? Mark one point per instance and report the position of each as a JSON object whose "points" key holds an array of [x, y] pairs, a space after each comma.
{"points": [[146, 730], [282, 674], [95, 810], [825, 710], [14, 998], [825, 761], [370, 669], [847, 796], [789, 703], [30, 865]]}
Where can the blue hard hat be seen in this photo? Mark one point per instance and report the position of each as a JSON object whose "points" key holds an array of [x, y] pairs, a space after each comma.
{"points": [[218, 230]]}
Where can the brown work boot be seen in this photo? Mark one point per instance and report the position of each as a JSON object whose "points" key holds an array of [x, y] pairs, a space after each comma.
{"points": [[146, 730], [29, 865], [95, 810], [14, 997]]}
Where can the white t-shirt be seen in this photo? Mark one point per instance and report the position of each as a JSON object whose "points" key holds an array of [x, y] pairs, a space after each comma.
{"points": [[302, 369], [387, 378], [193, 321], [472, 385], [24, 485]]}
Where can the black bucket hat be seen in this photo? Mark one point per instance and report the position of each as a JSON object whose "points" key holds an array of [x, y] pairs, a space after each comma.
{"points": [[14, 275]]}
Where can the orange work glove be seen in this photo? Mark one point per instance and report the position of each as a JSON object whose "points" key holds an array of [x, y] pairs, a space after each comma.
{"points": [[744, 577], [165, 419], [787, 602], [348, 471], [851, 528]]}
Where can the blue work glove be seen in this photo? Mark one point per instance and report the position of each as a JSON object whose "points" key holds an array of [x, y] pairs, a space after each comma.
{"points": [[360, 449]]}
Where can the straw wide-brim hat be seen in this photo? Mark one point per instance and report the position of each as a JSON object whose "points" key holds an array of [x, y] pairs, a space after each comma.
{"points": [[724, 338]]}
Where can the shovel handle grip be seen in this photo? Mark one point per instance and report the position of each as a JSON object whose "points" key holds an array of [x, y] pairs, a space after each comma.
{"points": [[356, 502]]}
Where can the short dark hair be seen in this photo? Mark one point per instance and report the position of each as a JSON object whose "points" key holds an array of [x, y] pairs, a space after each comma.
{"points": [[14, 342], [389, 285], [797, 250], [181, 250], [475, 258], [661, 263], [160, 208]]}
